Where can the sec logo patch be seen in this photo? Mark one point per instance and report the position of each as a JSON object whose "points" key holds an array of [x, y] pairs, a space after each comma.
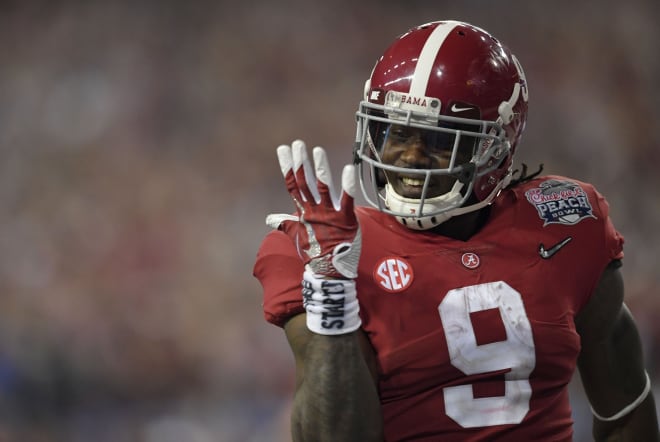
{"points": [[393, 274]]}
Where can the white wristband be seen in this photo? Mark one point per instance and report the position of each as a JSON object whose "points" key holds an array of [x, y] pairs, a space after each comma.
{"points": [[332, 306], [628, 408]]}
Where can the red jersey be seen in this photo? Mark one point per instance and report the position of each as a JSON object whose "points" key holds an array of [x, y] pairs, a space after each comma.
{"points": [[475, 339]]}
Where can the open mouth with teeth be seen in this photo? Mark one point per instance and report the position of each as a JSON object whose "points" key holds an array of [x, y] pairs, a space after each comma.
{"points": [[410, 187]]}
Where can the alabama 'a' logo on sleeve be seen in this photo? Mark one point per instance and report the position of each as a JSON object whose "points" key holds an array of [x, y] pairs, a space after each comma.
{"points": [[560, 202]]}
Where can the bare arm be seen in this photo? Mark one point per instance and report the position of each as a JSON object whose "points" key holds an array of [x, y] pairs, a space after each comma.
{"points": [[611, 364], [336, 396]]}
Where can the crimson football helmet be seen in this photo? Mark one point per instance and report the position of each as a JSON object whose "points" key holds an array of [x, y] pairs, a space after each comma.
{"points": [[459, 86]]}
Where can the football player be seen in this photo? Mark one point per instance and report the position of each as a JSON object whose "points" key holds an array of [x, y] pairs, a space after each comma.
{"points": [[458, 307]]}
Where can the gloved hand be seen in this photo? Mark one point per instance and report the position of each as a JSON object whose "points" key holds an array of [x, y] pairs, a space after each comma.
{"points": [[330, 241]]}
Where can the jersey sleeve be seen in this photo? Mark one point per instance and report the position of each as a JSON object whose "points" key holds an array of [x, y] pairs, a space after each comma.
{"points": [[612, 238], [606, 243], [279, 269]]}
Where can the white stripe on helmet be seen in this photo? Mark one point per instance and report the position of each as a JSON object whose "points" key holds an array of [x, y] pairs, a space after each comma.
{"points": [[426, 58]]}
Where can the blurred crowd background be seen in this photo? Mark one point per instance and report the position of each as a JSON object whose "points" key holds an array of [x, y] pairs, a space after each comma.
{"points": [[137, 164]]}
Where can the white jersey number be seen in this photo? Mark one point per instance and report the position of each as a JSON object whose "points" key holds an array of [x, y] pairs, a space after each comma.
{"points": [[515, 353]]}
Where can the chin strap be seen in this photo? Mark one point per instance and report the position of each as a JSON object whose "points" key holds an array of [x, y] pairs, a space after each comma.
{"points": [[442, 204]]}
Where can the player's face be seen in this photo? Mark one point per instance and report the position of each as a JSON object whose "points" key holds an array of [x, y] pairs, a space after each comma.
{"points": [[414, 148]]}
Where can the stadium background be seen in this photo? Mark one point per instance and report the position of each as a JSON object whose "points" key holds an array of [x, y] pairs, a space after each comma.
{"points": [[137, 164]]}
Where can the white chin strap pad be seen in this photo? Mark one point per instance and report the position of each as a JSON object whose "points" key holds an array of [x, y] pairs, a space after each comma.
{"points": [[441, 207]]}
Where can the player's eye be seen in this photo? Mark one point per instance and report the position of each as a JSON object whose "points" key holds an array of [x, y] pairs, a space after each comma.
{"points": [[399, 134], [439, 142]]}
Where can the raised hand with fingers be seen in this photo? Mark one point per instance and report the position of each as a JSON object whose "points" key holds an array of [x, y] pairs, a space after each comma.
{"points": [[330, 241]]}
